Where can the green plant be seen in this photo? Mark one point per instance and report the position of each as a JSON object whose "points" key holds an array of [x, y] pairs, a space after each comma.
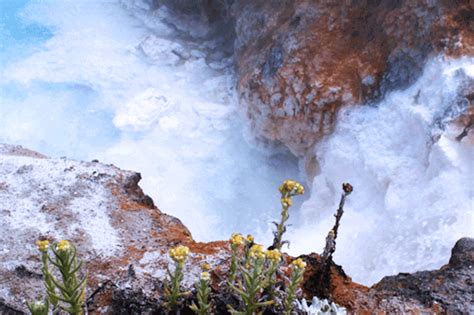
{"points": [[257, 280], [39, 307], [274, 260], [249, 288], [288, 189], [296, 277], [203, 291], [68, 293], [253, 272], [173, 293], [236, 242]]}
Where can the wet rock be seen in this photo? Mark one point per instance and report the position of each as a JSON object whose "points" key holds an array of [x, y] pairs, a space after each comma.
{"points": [[299, 62]]}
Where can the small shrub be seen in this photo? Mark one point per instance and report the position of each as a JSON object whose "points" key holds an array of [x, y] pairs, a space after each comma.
{"points": [[173, 294], [203, 291], [296, 277], [68, 292], [288, 190]]}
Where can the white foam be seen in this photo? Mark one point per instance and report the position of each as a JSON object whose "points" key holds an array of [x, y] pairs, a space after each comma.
{"points": [[412, 197]]}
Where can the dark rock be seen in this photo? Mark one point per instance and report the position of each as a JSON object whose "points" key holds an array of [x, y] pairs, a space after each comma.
{"points": [[462, 254]]}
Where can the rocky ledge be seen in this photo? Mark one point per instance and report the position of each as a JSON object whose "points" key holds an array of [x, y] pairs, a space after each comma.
{"points": [[124, 240]]}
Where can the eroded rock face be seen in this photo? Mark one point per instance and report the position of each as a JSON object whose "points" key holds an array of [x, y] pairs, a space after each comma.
{"points": [[120, 235], [298, 62]]}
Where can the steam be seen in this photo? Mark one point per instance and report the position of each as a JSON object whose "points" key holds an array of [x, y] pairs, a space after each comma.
{"points": [[413, 198], [105, 86]]}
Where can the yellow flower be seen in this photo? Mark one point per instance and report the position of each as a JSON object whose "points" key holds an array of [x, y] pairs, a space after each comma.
{"points": [[256, 251], [274, 255], [205, 276], [299, 189], [299, 263], [42, 245], [250, 238], [206, 266], [179, 253], [291, 186], [63, 245], [287, 186], [237, 239], [286, 202]]}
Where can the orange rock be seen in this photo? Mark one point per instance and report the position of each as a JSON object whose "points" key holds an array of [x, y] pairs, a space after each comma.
{"points": [[298, 62]]}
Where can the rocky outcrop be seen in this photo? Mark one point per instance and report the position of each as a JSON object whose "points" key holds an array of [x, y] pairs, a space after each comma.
{"points": [[448, 290], [124, 239], [120, 234], [298, 62]]}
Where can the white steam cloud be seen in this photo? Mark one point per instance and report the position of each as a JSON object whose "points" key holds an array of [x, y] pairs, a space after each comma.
{"points": [[121, 88]]}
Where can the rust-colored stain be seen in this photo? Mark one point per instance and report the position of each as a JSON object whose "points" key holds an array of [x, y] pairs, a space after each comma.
{"points": [[311, 58]]}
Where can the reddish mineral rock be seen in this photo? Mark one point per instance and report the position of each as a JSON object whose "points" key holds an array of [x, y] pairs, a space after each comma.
{"points": [[298, 62]]}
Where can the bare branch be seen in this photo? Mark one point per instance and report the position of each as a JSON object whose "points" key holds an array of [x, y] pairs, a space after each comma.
{"points": [[330, 246]]}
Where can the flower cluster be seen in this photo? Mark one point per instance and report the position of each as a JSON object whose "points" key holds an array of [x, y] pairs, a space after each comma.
{"points": [[299, 263], [286, 202], [291, 187], [256, 252], [237, 239], [257, 280], [179, 254], [43, 245], [205, 275], [273, 255], [63, 246]]}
